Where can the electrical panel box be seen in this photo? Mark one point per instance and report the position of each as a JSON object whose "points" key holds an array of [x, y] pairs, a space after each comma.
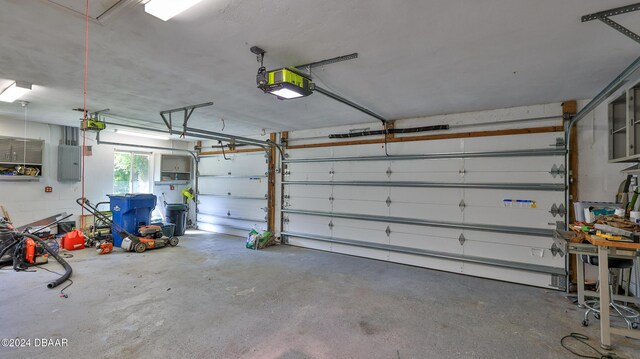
{"points": [[69, 158]]}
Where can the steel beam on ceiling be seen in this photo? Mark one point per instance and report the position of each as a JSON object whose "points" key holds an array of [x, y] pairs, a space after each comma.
{"points": [[188, 111], [348, 103], [333, 60], [604, 17], [611, 12]]}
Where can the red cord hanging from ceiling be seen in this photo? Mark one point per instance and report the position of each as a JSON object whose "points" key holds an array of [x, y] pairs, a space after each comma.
{"points": [[84, 99]]}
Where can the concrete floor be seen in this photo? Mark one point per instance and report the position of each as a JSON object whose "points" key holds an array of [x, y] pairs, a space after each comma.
{"points": [[211, 298]]}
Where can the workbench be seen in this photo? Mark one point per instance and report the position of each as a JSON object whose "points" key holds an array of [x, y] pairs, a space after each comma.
{"points": [[604, 249]]}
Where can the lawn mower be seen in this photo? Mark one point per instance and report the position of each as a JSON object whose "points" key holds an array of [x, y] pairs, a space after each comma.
{"points": [[150, 236], [99, 233]]}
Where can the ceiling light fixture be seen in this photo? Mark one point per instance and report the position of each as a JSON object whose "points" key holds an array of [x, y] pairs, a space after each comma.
{"points": [[166, 9], [15, 91], [284, 83]]}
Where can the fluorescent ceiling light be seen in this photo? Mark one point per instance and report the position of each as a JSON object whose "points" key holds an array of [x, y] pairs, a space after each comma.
{"points": [[286, 93], [166, 9], [139, 134], [15, 91]]}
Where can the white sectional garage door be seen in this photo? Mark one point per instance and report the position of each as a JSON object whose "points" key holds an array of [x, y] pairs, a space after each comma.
{"points": [[479, 206], [233, 193]]}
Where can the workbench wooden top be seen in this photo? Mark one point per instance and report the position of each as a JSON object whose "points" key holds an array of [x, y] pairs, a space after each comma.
{"points": [[596, 241]]}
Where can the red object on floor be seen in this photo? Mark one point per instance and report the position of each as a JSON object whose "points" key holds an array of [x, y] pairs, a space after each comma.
{"points": [[73, 240]]}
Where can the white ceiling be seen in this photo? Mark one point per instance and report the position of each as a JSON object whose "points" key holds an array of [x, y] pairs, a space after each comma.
{"points": [[416, 58]]}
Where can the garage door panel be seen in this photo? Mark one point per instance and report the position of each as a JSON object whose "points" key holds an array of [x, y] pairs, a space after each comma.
{"points": [[450, 165], [236, 166], [379, 194], [511, 142], [440, 247], [512, 206], [426, 231], [361, 171], [514, 164], [509, 239], [243, 175], [308, 191], [356, 151], [444, 196], [315, 171], [508, 275], [309, 204], [251, 188], [309, 243], [426, 262], [365, 207], [531, 255], [435, 212], [307, 224], [443, 171], [535, 218], [363, 231], [511, 177], [435, 146], [426, 241], [214, 220], [360, 251]]}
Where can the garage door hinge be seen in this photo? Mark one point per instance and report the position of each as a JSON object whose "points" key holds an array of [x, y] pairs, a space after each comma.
{"points": [[389, 172], [557, 171], [559, 142], [330, 224], [387, 231], [332, 172], [555, 250], [462, 205], [331, 199], [285, 219], [388, 201], [266, 196], [286, 205], [228, 213], [462, 172], [266, 209], [287, 172], [558, 210], [461, 239]]}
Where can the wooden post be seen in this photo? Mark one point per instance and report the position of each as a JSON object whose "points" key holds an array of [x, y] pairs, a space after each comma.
{"points": [[569, 109], [271, 186]]}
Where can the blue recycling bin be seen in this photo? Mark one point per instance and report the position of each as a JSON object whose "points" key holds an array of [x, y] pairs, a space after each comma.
{"points": [[130, 211]]}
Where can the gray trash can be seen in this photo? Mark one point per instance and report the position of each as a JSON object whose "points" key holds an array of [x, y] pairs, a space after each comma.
{"points": [[176, 213]]}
